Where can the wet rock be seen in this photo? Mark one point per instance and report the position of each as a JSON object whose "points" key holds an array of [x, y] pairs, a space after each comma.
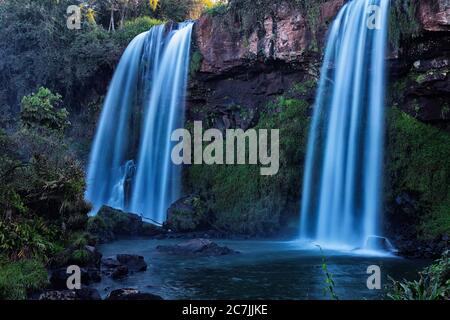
{"points": [[196, 247], [133, 262], [379, 243], [119, 266], [119, 272], [85, 294], [151, 230], [131, 294], [110, 263]]}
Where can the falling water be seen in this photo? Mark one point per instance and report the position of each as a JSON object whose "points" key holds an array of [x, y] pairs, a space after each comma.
{"points": [[342, 184], [130, 167]]}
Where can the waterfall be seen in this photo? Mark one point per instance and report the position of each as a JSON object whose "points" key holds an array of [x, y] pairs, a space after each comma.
{"points": [[130, 166], [341, 198]]}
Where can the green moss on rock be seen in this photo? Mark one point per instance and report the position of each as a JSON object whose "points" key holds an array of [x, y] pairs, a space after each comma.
{"points": [[418, 161], [243, 201], [403, 22], [187, 214], [196, 62]]}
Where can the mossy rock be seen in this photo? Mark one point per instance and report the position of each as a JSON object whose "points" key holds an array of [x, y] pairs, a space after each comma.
{"points": [[417, 158], [110, 224], [241, 199], [187, 214]]}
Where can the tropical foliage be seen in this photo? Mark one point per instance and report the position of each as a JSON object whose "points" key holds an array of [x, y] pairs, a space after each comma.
{"points": [[433, 283]]}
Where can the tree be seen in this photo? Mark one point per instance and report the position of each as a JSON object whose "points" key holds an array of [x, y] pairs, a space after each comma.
{"points": [[41, 108]]}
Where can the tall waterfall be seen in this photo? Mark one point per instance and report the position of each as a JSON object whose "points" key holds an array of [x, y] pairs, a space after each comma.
{"points": [[341, 199], [130, 167]]}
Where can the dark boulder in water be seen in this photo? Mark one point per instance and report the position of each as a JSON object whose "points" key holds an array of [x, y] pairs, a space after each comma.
{"points": [[133, 262], [119, 266], [196, 247], [119, 272], [131, 294]]}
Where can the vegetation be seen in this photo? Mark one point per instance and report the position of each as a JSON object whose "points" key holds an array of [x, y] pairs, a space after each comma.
{"points": [[433, 283], [41, 193], [330, 285], [18, 279], [417, 162], [52, 84], [261, 204], [403, 24], [134, 27], [40, 109]]}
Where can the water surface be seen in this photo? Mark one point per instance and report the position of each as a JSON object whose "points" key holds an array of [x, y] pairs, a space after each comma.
{"points": [[262, 270]]}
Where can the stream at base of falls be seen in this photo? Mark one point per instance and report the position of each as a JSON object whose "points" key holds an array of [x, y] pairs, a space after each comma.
{"points": [[262, 270]]}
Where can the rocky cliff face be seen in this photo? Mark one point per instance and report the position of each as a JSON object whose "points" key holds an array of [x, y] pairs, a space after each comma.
{"points": [[435, 15], [420, 71], [283, 33], [243, 61], [246, 58]]}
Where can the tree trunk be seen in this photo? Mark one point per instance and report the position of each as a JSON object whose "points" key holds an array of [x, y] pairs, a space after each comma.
{"points": [[111, 22]]}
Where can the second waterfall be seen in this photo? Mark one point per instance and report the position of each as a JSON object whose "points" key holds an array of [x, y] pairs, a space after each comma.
{"points": [[342, 185], [130, 166]]}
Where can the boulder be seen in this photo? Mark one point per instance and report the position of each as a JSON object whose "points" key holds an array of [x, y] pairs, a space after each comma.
{"points": [[131, 294], [119, 272], [187, 214], [110, 224], [110, 263], [379, 243], [133, 262], [196, 247], [119, 266], [82, 256], [58, 277]]}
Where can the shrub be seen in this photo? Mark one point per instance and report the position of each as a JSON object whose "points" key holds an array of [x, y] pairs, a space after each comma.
{"points": [[218, 8], [18, 279], [27, 239], [81, 257], [133, 28], [433, 283], [41, 108]]}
